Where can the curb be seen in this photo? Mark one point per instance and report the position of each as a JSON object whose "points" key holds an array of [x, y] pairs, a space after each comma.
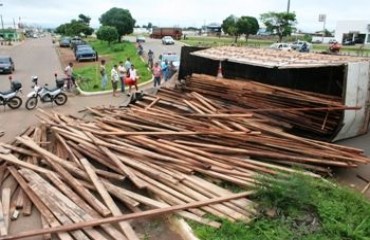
{"points": [[83, 93]]}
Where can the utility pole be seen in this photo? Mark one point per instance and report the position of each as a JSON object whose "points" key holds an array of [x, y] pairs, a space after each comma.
{"points": [[288, 7], [2, 23]]}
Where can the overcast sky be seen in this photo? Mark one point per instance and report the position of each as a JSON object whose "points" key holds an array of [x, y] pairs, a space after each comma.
{"points": [[52, 13]]}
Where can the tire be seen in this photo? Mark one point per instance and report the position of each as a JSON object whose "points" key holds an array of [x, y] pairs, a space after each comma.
{"points": [[60, 99], [31, 103], [15, 102]]}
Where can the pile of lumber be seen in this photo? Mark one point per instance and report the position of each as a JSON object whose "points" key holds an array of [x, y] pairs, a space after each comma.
{"points": [[306, 113], [168, 152]]}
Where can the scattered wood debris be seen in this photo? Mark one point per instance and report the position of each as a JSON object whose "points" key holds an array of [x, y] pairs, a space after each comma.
{"points": [[173, 148]]}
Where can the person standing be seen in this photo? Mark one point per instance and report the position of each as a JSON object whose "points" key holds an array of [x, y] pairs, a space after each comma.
{"points": [[122, 75], [68, 71], [114, 75], [150, 58], [171, 70], [103, 74], [164, 67], [133, 79], [128, 64], [157, 72]]}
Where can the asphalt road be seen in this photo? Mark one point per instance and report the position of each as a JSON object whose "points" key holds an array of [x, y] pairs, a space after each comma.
{"points": [[157, 47], [32, 57], [39, 57]]}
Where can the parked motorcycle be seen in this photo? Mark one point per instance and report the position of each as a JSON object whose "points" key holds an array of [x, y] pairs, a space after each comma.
{"points": [[10, 98], [44, 94]]}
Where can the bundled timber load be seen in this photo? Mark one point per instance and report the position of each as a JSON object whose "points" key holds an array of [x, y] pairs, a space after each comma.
{"points": [[167, 153], [305, 113]]}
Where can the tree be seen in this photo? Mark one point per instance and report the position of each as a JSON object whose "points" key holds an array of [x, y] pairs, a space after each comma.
{"points": [[119, 18], [150, 25], [107, 33], [76, 27], [247, 25], [281, 23], [62, 29], [85, 19], [229, 26]]}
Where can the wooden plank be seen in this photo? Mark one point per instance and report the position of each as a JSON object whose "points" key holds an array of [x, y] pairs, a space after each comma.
{"points": [[14, 160], [27, 206], [58, 203], [45, 225], [145, 214], [45, 212], [70, 166], [3, 228], [91, 213], [124, 169], [5, 199], [125, 226]]}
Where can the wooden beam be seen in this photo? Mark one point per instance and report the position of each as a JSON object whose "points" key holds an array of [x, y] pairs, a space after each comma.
{"points": [[145, 214], [125, 226]]}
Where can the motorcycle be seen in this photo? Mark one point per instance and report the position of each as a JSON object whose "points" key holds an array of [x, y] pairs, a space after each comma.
{"points": [[44, 94], [10, 98]]}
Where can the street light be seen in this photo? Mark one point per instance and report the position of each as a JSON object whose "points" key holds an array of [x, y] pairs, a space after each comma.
{"points": [[322, 18], [288, 7]]}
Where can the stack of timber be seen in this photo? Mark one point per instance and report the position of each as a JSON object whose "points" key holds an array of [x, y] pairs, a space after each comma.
{"points": [[171, 152], [306, 114]]}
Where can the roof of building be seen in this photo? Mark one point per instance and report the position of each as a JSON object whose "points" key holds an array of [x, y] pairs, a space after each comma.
{"points": [[274, 58], [214, 25]]}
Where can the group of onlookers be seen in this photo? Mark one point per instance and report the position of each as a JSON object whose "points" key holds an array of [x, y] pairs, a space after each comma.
{"points": [[163, 70], [122, 73]]}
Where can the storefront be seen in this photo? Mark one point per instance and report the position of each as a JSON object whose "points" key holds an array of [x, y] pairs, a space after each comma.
{"points": [[356, 31]]}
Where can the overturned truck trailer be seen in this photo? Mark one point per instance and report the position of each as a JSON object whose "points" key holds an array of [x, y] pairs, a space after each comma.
{"points": [[340, 76]]}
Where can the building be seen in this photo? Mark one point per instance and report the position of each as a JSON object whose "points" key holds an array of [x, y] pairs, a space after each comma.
{"points": [[356, 31], [214, 29]]}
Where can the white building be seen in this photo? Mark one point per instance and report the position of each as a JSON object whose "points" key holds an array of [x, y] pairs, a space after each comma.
{"points": [[358, 31]]}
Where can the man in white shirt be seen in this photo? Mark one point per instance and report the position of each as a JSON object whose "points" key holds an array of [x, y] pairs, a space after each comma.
{"points": [[122, 75], [68, 71], [114, 78], [133, 79]]}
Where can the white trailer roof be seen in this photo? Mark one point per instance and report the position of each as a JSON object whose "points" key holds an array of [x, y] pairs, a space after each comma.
{"points": [[272, 58]]}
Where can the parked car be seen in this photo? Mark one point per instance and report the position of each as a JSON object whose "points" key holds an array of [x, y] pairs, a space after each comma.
{"points": [[65, 42], [171, 57], [348, 42], [140, 39], [6, 64], [297, 45], [168, 40], [281, 46], [86, 54], [81, 46]]}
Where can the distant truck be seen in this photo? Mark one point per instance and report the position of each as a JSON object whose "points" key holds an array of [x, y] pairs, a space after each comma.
{"points": [[159, 33]]}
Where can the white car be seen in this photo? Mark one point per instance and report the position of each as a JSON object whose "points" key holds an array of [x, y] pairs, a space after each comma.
{"points": [[170, 57], [281, 46], [168, 40], [297, 45]]}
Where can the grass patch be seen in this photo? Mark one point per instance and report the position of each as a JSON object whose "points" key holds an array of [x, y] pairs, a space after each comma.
{"points": [[89, 77], [298, 207]]}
